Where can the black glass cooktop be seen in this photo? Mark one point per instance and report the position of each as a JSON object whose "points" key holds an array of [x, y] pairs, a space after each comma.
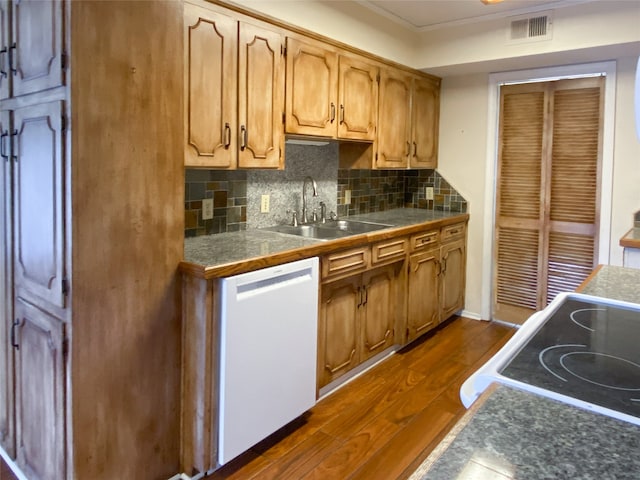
{"points": [[588, 351]]}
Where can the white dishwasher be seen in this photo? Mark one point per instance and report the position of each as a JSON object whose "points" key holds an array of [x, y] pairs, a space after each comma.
{"points": [[268, 352]]}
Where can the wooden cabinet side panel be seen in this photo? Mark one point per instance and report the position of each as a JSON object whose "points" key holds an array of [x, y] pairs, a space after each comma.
{"points": [[260, 97], [358, 99], [338, 328], [5, 21], [38, 36], [198, 448], [425, 105], [7, 433], [40, 394], [311, 89], [394, 120], [39, 202], [423, 292], [210, 88]]}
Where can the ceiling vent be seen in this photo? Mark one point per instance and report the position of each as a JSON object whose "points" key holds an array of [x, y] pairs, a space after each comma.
{"points": [[529, 28]]}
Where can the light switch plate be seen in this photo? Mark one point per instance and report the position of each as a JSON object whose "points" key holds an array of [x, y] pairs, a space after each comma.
{"points": [[207, 208], [428, 193], [264, 204]]}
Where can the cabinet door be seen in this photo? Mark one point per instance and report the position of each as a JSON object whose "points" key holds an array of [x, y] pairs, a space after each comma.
{"points": [[37, 47], [453, 278], [7, 439], [379, 309], [423, 302], [39, 255], [40, 383], [425, 105], [260, 97], [5, 21], [338, 329], [358, 97], [394, 120], [312, 86], [210, 88]]}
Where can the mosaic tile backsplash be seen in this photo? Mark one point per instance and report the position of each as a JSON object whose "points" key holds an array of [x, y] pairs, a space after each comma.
{"points": [[237, 194]]}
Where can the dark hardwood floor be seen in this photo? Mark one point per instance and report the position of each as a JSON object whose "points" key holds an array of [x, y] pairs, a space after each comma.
{"points": [[383, 424]]}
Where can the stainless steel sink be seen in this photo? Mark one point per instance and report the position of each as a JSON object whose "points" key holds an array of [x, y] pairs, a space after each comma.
{"points": [[330, 230]]}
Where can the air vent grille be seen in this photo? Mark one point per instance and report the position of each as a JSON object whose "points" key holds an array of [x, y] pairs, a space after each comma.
{"points": [[530, 28]]}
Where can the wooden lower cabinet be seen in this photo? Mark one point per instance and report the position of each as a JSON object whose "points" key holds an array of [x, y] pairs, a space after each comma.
{"points": [[423, 292], [358, 319], [40, 393], [453, 259]]}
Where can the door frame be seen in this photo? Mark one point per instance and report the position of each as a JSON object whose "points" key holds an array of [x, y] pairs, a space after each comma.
{"points": [[608, 69]]}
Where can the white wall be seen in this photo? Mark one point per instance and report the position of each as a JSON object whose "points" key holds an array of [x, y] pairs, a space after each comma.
{"points": [[346, 22], [463, 161]]}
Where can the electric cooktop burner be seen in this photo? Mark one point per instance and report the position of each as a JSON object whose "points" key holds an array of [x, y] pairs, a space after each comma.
{"points": [[588, 351], [581, 349]]}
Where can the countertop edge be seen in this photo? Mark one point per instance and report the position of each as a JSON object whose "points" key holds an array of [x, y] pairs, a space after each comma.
{"points": [[209, 272], [630, 239]]}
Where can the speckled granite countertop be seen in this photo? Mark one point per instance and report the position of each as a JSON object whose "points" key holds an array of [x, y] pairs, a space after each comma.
{"points": [[631, 239], [617, 283], [512, 434], [225, 254]]}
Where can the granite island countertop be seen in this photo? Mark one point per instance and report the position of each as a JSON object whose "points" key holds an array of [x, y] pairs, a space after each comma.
{"points": [[512, 434], [224, 254]]}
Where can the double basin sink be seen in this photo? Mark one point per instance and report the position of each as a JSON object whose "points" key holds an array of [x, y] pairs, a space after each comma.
{"points": [[330, 230]]}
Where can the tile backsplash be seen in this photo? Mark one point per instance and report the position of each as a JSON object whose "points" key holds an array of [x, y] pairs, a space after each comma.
{"points": [[237, 194]]}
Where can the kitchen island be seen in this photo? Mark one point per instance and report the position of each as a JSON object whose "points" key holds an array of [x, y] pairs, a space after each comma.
{"points": [[509, 433]]}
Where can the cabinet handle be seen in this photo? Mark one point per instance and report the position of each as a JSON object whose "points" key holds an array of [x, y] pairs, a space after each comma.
{"points": [[359, 297], [3, 54], [408, 149], [341, 114], [3, 145], [12, 135], [12, 67], [444, 266], [439, 264], [415, 149], [243, 137], [13, 334], [227, 135], [333, 112], [366, 295]]}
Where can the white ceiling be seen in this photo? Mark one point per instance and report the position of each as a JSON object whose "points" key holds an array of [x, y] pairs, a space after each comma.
{"points": [[423, 15]]}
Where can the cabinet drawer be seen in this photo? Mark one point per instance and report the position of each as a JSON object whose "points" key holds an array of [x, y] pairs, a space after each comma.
{"points": [[388, 250], [452, 232], [424, 239], [346, 261]]}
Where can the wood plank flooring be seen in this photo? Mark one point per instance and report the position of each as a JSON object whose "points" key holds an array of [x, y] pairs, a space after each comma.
{"points": [[383, 424]]}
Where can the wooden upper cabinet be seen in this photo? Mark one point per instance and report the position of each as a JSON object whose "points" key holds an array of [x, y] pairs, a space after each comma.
{"points": [[210, 88], [394, 120], [234, 92], [358, 99], [312, 89], [408, 121], [35, 54], [260, 97], [40, 399], [424, 123], [39, 254]]}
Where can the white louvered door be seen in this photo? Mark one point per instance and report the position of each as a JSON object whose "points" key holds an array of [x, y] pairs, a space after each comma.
{"points": [[547, 193]]}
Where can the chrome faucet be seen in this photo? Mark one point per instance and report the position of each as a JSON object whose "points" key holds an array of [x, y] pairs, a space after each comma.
{"points": [[304, 196]]}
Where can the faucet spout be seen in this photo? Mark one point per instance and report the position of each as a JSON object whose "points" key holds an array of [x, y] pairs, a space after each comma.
{"points": [[306, 181]]}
